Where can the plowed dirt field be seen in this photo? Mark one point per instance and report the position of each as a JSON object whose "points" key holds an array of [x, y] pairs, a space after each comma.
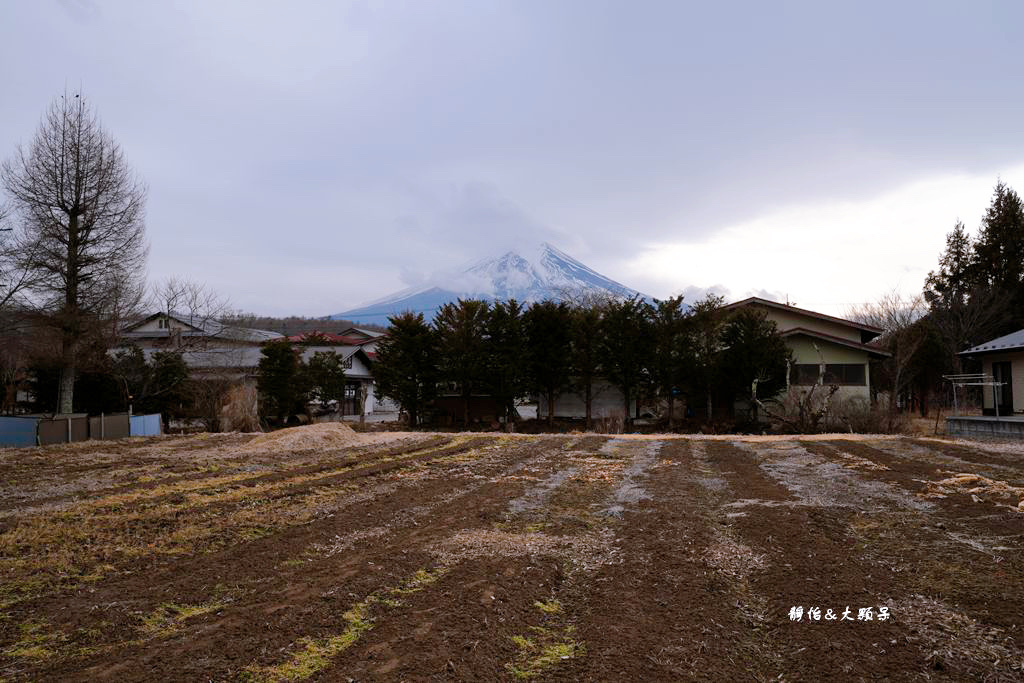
{"points": [[488, 558]]}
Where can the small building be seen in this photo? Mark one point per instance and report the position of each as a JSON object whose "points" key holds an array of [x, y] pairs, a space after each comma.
{"points": [[1002, 359], [817, 339]]}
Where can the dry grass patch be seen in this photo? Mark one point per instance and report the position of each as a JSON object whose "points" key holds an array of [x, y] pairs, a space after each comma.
{"points": [[544, 650], [91, 539], [169, 617], [955, 643], [317, 654], [731, 557]]}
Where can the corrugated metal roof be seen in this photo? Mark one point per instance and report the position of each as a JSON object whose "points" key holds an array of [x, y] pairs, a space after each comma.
{"points": [[1009, 342]]}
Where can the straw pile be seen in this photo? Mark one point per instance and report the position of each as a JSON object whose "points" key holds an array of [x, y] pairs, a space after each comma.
{"points": [[238, 412], [315, 437], [975, 484]]}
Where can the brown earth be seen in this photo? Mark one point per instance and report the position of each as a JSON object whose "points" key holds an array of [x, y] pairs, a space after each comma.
{"points": [[326, 555]]}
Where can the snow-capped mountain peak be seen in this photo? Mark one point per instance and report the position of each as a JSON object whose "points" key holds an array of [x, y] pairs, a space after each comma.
{"points": [[544, 272]]}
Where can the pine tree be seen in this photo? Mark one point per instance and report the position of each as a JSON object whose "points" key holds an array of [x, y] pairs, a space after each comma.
{"points": [[704, 342], [461, 335], [998, 262], [406, 368], [584, 355], [752, 349], [547, 326], [506, 350], [280, 379], [999, 250], [668, 365], [951, 283], [962, 309], [626, 347]]}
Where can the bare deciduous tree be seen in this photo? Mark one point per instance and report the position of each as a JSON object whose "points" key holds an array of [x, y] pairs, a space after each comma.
{"points": [[13, 277], [193, 302], [81, 211], [905, 332]]}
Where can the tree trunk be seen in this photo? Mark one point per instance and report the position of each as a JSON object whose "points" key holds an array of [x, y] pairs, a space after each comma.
{"points": [[671, 410], [551, 408], [65, 398], [588, 400], [69, 334], [627, 417], [707, 416], [465, 410]]}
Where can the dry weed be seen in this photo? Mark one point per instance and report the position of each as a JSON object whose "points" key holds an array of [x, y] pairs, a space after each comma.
{"points": [[975, 485]]}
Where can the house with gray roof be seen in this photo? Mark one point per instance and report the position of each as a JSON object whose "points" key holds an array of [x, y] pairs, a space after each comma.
{"points": [[217, 351], [1002, 360]]}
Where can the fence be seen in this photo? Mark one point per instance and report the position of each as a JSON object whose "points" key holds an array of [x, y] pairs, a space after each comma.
{"points": [[42, 430]]}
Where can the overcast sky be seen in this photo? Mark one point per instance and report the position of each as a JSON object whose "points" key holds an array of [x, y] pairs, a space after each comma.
{"points": [[305, 157]]}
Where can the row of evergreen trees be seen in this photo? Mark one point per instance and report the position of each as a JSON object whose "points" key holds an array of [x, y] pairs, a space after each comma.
{"points": [[977, 292], [974, 295], [657, 351]]}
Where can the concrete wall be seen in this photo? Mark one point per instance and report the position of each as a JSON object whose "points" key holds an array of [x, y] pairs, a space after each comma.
{"points": [[985, 427], [377, 404], [607, 401]]}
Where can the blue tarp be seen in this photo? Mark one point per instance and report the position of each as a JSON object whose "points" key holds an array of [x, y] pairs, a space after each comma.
{"points": [[146, 425], [17, 432]]}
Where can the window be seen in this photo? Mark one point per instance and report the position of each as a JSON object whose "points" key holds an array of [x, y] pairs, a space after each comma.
{"points": [[842, 374], [845, 374], [803, 374]]}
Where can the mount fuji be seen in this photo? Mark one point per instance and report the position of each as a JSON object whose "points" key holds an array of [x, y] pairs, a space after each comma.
{"points": [[544, 273]]}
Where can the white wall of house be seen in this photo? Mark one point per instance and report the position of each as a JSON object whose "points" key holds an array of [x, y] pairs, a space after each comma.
{"points": [[805, 353], [162, 324], [787, 320]]}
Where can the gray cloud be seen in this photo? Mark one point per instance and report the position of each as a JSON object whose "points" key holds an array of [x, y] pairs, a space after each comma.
{"points": [[310, 157]]}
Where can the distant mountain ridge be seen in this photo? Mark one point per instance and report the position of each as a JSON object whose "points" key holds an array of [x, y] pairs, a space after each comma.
{"points": [[546, 273]]}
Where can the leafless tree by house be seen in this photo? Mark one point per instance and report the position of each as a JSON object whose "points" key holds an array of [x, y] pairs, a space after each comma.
{"points": [[193, 302], [81, 211], [902, 318]]}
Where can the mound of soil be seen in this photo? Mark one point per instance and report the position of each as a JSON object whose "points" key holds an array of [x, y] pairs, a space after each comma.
{"points": [[309, 437]]}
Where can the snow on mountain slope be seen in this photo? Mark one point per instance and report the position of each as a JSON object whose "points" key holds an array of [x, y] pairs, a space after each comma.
{"points": [[544, 273]]}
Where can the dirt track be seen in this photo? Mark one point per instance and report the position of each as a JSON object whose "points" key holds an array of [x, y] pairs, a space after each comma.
{"points": [[498, 557]]}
